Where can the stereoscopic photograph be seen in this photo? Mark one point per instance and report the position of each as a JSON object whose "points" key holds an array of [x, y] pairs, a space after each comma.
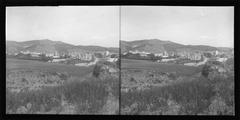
{"points": [[127, 60], [177, 60], [62, 60]]}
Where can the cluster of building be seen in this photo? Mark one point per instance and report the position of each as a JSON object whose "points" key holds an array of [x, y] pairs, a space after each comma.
{"points": [[33, 54], [61, 57], [200, 57], [164, 54], [190, 55], [169, 55], [81, 55], [112, 59], [37, 54], [143, 53]]}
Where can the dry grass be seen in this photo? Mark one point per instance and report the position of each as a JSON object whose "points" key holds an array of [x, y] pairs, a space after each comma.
{"points": [[91, 93], [192, 96], [79, 94]]}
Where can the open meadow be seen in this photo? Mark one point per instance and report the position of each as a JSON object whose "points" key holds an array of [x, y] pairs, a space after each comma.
{"points": [[150, 88], [161, 67], [35, 87], [14, 64]]}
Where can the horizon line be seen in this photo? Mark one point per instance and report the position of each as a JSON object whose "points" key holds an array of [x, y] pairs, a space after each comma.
{"points": [[65, 43], [176, 42], [123, 40]]}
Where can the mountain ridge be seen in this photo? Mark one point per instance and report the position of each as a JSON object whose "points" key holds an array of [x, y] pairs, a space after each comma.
{"points": [[157, 46], [50, 46], [147, 45]]}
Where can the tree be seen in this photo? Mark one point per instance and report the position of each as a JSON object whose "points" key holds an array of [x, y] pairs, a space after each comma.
{"points": [[96, 70], [113, 56], [118, 63], [43, 57], [151, 56], [208, 55], [206, 70]]}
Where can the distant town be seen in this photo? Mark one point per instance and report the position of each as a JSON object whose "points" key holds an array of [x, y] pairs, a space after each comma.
{"points": [[193, 58], [76, 58]]}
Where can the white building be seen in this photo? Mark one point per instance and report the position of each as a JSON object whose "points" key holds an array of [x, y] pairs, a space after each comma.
{"points": [[58, 60], [125, 53], [167, 60], [107, 53], [112, 59], [49, 54], [25, 52], [216, 52], [221, 59], [165, 54], [134, 52], [158, 54], [55, 56]]}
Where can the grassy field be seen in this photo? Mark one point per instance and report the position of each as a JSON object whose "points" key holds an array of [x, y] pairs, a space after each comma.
{"points": [[13, 64], [93, 95], [87, 97], [148, 65], [192, 95], [156, 99]]}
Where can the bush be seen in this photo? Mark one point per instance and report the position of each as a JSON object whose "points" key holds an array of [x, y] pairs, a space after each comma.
{"points": [[206, 70], [96, 70]]}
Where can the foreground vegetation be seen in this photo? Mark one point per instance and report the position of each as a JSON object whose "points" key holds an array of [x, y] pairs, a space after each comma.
{"points": [[87, 97], [88, 94], [211, 93]]}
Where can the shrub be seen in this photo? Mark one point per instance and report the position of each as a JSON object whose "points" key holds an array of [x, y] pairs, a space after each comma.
{"points": [[96, 70], [206, 70], [191, 96]]}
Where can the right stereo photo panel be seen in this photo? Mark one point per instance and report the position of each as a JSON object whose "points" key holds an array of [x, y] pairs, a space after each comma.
{"points": [[177, 60]]}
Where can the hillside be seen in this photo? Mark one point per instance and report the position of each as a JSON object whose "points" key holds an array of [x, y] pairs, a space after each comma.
{"points": [[157, 46], [98, 48], [49, 46]]}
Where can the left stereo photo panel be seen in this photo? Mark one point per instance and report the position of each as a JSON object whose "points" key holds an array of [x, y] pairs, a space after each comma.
{"points": [[62, 60]]}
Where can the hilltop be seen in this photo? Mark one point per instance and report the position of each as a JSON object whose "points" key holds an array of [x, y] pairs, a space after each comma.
{"points": [[157, 46], [49, 46]]}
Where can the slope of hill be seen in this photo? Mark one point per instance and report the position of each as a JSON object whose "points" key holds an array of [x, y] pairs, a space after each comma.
{"points": [[49, 46], [157, 46], [98, 48], [225, 49], [12, 47]]}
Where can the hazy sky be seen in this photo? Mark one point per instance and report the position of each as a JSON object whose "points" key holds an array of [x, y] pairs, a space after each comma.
{"points": [[186, 25], [99, 25], [79, 25]]}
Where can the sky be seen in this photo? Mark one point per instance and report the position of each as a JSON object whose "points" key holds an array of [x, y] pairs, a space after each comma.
{"points": [[77, 25], [99, 25], [212, 26]]}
